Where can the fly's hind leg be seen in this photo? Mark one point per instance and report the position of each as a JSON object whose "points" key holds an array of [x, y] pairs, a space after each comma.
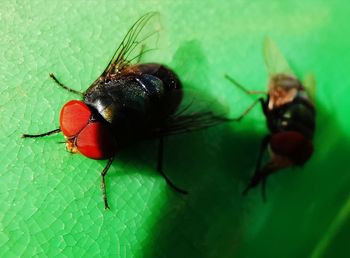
{"points": [[103, 185], [160, 168]]}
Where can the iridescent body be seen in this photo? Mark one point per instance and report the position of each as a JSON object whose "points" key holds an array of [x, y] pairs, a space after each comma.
{"points": [[127, 103], [138, 99], [120, 110]]}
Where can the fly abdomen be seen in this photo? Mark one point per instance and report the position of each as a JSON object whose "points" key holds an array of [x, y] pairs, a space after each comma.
{"points": [[171, 96], [166, 75], [152, 86]]}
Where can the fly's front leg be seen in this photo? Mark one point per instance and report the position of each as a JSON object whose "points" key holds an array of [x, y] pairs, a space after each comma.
{"points": [[241, 87], [248, 92], [42, 134], [64, 86], [103, 185]]}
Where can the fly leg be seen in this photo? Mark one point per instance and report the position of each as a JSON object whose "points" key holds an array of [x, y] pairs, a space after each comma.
{"points": [[41, 135], [261, 100], [103, 185], [64, 86], [160, 168], [249, 92], [259, 175], [241, 87]]}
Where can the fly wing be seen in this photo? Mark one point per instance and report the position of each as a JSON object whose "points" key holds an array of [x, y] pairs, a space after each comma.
{"points": [[196, 112], [275, 62], [132, 47], [309, 83], [191, 122]]}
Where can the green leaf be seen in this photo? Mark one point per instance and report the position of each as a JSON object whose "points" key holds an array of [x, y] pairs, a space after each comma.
{"points": [[51, 203]]}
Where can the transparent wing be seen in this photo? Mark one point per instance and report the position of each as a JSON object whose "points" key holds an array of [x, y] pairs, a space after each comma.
{"points": [[191, 122], [309, 83], [132, 47], [276, 63], [197, 111]]}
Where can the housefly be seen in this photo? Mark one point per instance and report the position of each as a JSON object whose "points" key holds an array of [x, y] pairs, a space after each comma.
{"points": [[128, 103], [290, 113]]}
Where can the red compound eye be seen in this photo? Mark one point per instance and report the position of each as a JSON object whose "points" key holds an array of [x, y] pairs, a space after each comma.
{"points": [[292, 145], [74, 117], [95, 141]]}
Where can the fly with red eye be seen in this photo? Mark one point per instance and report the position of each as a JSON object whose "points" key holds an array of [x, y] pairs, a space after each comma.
{"points": [[290, 113], [91, 137], [128, 103]]}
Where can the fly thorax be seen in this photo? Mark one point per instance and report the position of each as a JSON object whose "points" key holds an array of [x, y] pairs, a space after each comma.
{"points": [[106, 111], [120, 100], [299, 117], [282, 89]]}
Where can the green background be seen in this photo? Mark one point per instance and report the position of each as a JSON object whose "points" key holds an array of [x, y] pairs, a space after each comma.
{"points": [[50, 200]]}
